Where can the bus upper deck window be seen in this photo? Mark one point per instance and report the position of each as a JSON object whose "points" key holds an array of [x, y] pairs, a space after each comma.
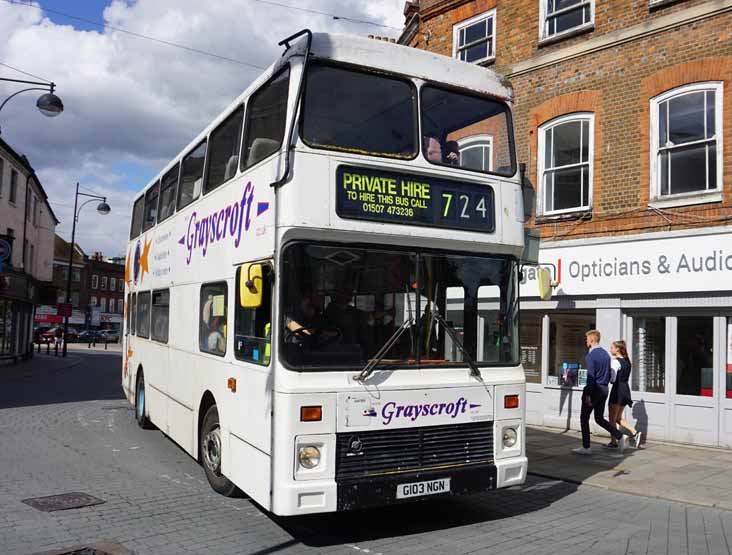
{"points": [[223, 151], [467, 130], [151, 206], [359, 112], [137, 212], [168, 189], [266, 120], [191, 175]]}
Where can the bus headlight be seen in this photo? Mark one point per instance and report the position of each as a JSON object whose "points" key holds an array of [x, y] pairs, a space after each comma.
{"points": [[509, 438], [309, 456]]}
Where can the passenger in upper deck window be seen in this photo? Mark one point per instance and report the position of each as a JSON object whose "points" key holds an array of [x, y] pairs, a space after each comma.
{"points": [[432, 148], [452, 153]]}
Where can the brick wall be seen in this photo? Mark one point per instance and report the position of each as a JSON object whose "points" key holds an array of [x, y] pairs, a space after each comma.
{"points": [[614, 83]]}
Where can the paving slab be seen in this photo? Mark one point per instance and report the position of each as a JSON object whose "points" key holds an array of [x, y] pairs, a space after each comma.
{"points": [[692, 475]]}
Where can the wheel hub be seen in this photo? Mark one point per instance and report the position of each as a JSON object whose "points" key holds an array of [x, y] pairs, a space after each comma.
{"points": [[141, 401], [212, 450]]}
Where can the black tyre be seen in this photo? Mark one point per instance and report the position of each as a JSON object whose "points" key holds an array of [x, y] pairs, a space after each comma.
{"points": [[141, 403], [210, 448]]}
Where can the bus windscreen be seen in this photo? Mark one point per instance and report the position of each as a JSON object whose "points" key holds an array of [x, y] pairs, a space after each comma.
{"points": [[342, 304]]}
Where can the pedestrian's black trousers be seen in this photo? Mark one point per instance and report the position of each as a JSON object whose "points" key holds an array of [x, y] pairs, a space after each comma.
{"points": [[599, 397]]}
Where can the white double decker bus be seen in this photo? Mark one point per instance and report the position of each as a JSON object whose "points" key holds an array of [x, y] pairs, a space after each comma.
{"points": [[322, 287]]}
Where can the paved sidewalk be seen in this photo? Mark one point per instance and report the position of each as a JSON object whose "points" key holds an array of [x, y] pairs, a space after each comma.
{"points": [[39, 364], [698, 476]]}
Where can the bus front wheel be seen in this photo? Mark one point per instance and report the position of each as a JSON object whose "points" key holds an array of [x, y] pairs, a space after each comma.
{"points": [[141, 403], [210, 447]]}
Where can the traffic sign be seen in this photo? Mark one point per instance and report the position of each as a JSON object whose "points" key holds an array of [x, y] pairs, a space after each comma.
{"points": [[63, 309]]}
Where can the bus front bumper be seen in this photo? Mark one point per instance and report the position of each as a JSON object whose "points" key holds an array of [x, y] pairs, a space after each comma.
{"points": [[326, 495]]}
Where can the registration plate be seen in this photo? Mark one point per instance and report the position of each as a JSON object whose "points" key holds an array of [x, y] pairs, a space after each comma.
{"points": [[417, 489]]}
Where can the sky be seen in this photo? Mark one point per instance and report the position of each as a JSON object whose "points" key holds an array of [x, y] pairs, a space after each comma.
{"points": [[132, 104]]}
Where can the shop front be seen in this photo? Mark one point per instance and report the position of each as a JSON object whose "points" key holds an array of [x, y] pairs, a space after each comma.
{"points": [[18, 295], [669, 296]]}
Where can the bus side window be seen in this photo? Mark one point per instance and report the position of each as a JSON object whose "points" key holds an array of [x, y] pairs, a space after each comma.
{"points": [[223, 151], [266, 120], [132, 314], [168, 189], [143, 314], [151, 206], [160, 315], [252, 326], [137, 212], [213, 318], [191, 175]]}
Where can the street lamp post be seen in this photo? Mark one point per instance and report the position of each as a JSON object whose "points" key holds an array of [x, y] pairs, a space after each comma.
{"points": [[48, 104], [104, 209]]}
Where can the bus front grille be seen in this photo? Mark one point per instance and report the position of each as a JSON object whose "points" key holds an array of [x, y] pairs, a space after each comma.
{"points": [[385, 452]]}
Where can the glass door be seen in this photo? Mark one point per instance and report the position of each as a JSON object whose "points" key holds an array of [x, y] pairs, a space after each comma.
{"points": [[725, 397], [694, 379]]}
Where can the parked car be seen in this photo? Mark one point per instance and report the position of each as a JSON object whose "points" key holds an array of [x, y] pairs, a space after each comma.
{"points": [[112, 336], [90, 336], [50, 335]]}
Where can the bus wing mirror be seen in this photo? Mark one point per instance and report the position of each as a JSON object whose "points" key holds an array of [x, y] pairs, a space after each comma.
{"points": [[544, 280], [250, 285]]}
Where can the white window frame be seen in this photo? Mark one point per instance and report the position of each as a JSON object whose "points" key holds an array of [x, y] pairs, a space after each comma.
{"points": [[540, 157], [95, 282], [478, 140], [491, 14], [694, 197], [93, 300], [113, 284], [544, 17], [111, 305], [104, 283]]}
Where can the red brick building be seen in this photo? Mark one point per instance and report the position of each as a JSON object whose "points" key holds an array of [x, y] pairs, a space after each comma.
{"points": [[623, 121]]}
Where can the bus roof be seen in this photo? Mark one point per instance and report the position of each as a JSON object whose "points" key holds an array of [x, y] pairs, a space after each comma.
{"points": [[371, 53]]}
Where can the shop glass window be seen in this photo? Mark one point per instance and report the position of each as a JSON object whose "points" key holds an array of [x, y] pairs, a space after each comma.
{"points": [[213, 311], [191, 175], [137, 214], [474, 40], [253, 326], [649, 354], [567, 348], [565, 163], [160, 315], [223, 151], [359, 112], [168, 190], [6, 327], [531, 345], [686, 140], [562, 16], [143, 314], [453, 121], [266, 120], [151, 206], [695, 356]]}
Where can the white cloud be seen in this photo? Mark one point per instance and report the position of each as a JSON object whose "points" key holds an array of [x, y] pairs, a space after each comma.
{"points": [[131, 104]]}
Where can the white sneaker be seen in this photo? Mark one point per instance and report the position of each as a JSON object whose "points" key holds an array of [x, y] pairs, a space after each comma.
{"points": [[637, 439], [582, 451], [622, 444]]}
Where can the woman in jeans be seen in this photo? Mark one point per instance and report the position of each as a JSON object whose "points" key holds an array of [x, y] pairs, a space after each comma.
{"points": [[620, 393]]}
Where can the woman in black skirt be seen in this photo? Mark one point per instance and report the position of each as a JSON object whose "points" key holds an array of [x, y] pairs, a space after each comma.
{"points": [[620, 393]]}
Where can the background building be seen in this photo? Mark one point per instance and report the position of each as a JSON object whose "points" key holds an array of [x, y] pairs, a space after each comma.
{"points": [[97, 290], [27, 224], [623, 116]]}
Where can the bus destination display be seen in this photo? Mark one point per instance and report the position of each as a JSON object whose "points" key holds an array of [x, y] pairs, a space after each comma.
{"points": [[392, 197]]}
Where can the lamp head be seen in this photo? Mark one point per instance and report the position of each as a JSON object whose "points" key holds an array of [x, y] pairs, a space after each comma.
{"points": [[50, 105], [103, 208]]}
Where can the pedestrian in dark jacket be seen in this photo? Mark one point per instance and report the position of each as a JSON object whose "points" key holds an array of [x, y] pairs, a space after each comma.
{"points": [[594, 395]]}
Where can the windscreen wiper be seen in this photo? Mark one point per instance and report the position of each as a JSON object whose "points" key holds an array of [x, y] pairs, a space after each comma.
{"points": [[474, 370], [378, 357]]}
